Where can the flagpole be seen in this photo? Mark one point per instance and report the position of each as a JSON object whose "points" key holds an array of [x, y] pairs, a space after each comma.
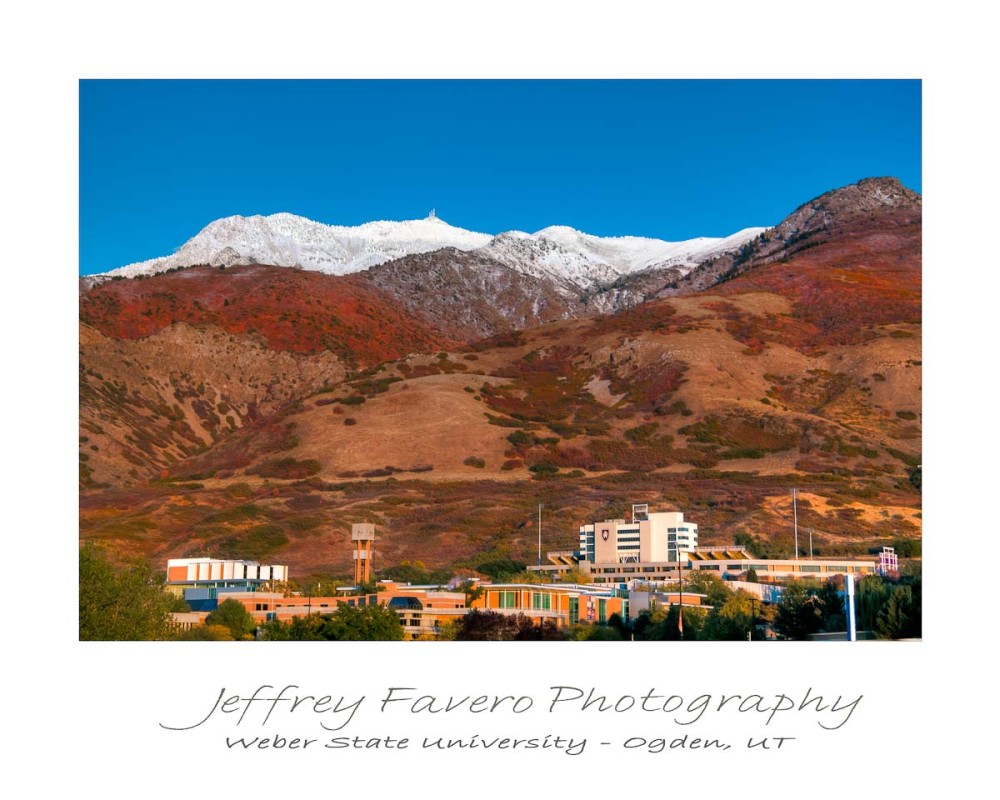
{"points": [[539, 534]]}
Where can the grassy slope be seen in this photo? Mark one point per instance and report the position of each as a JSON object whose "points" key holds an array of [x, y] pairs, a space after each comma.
{"points": [[803, 373]]}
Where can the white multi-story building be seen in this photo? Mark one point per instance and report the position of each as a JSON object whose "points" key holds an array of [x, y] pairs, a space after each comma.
{"points": [[649, 537], [219, 570]]}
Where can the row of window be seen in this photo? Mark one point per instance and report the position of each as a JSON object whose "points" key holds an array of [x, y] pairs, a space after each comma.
{"points": [[730, 568], [540, 601]]}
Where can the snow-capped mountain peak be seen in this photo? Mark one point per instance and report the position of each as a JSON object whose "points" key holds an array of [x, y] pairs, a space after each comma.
{"points": [[570, 257], [288, 240]]}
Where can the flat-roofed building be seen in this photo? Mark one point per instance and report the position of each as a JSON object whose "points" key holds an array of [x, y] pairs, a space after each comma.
{"points": [[202, 582], [729, 563], [219, 570], [422, 610], [648, 536], [642, 599], [564, 604]]}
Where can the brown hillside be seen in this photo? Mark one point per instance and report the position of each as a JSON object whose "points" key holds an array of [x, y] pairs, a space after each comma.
{"points": [[802, 369], [686, 416], [146, 404]]}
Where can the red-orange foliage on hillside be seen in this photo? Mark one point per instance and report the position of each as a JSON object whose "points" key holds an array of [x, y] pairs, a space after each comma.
{"points": [[840, 289], [290, 309]]}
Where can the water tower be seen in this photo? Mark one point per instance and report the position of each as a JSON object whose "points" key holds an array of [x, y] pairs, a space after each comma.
{"points": [[363, 540]]}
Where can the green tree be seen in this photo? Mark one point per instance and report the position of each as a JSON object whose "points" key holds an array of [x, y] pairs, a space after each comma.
{"points": [[501, 569], [832, 603], [178, 604], [299, 629], [472, 591], [492, 626], [415, 572], [712, 586], [616, 623], [233, 615], [907, 548], [646, 626], [603, 633], [731, 621], [533, 578], [205, 633], [121, 602], [871, 595], [574, 575], [799, 612], [363, 624], [678, 625], [661, 624], [347, 623], [900, 617]]}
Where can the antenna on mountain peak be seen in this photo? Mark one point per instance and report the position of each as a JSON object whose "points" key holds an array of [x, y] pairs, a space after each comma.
{"points": [[433, 214]]}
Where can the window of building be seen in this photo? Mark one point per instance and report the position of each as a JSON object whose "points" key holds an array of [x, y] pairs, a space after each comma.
{"points": [[602, 611], [709, 566], [574, 610], [541, 601], [507, 599]]}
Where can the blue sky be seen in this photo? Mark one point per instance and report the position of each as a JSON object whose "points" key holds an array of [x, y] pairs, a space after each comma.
{"points": [[159, 160]]}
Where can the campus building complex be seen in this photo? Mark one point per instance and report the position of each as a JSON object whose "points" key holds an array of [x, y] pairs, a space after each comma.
{"points": [[632, 565], [660, 546]]}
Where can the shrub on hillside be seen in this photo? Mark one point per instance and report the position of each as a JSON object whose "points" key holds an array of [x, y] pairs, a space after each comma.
{"points": [[286, 468]]}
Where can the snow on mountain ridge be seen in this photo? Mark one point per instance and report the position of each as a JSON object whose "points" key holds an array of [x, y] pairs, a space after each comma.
{"points": [[571, 258], [288, 240], [565, 254]]}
